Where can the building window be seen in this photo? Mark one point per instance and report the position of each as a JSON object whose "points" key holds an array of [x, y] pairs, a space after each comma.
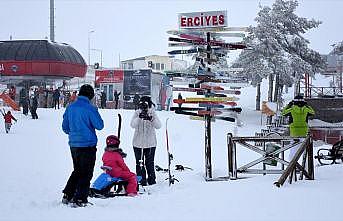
{"points": [[110, 92], [153, 66], [162, 66], [130, 66], [157, 66], [104, 88]]}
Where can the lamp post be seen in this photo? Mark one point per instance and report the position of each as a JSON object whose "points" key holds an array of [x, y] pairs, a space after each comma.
{"points": [[340, 63], [89, 46], [98, 50]]}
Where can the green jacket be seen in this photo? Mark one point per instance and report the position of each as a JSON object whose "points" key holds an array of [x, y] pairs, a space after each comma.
{"points": [[299, 114]]}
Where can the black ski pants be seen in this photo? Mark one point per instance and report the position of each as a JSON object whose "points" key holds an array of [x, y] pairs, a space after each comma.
{"points": [[25, 108], [147, 167], [33, 111], [56, 103], [79, 180], [116, 104]]}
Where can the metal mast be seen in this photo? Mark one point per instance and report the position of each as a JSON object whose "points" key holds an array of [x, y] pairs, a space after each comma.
{"points": [[52, 20]]}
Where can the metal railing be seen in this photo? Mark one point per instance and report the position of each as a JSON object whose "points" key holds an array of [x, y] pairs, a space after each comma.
{"points": [[320, 91]]}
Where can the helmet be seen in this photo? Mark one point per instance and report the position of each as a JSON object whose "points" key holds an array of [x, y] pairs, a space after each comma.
{"points": [[112, 140]]}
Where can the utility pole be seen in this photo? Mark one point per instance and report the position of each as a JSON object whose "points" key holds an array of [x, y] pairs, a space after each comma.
{"points": [[89, 46], [119, 60], [52, 20]]}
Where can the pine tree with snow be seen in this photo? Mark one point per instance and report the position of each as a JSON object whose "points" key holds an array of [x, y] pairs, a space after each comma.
{"points": [[278, 48]]}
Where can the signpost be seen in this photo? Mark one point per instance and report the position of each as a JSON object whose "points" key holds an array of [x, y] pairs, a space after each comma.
{"points": [[200, 31]]}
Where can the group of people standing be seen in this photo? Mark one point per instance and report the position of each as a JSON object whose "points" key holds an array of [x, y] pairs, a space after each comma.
{"points": [[62, 98], [83, 141], [103, 99], [29, 101]]}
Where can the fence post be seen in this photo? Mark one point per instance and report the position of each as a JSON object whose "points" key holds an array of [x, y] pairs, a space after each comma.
{"points": [[229, 153], [310, 159], [232, 166], [292, 164], [208, 161]]}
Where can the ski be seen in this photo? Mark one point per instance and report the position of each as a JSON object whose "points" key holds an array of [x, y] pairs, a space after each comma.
{"points": [[179, 44], [230, 109], [171, 177], [205, 86], [188, 51], [191, 37], [223, 29], [211, 105], [209, 112], [203, 89], [197, 38], [236, 34], [231, 46], [183, 101], [196, 114], [211, 94], [210, 99], [229, 34], [230, 31], [215, 51], [202, 118]]}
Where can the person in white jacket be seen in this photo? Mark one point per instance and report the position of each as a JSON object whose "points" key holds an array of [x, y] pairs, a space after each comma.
{"points": [[145, 121]]}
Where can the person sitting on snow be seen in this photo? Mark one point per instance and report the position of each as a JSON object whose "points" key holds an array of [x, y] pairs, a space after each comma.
{"points": [[115, 166], [8, 120]]}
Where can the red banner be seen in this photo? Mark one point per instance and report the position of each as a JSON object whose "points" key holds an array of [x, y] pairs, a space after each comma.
{"points": [[109, 76]]}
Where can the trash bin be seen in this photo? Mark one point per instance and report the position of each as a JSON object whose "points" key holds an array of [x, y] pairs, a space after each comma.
{"points": [[271, 147]]}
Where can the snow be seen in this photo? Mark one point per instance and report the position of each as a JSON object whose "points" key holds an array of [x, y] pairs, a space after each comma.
{"points": [[36, 163]]}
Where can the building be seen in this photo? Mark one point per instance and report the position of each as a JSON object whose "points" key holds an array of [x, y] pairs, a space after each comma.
{"points": [[156, 63], [89, 78], [334, 60]]}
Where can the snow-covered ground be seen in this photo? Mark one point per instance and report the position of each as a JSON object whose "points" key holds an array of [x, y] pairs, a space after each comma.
{"points": [[36, 162]]}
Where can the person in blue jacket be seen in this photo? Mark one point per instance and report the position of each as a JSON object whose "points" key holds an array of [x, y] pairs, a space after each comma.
{"points": [[80, 120]]}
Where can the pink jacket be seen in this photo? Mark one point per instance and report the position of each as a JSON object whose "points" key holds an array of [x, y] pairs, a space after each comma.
{"points": [[116, 162]]}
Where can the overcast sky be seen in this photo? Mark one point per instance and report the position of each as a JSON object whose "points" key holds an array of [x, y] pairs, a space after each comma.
{"points": [[134, 28]]}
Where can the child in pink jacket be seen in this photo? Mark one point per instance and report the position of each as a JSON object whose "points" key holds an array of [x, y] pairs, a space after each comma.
{"points": [[113, 158]]}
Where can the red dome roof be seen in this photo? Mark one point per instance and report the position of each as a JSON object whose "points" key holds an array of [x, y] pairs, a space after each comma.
{"points": [[40, 58]]}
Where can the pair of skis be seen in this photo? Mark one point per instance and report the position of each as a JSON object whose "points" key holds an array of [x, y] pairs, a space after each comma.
{"points": [[171, 177]]}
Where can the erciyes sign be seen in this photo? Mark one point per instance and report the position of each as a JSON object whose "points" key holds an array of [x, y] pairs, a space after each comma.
{"points": [[210, 19]]}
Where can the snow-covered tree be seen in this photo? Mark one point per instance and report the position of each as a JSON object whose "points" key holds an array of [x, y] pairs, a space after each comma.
{"points": [[278, 44]]}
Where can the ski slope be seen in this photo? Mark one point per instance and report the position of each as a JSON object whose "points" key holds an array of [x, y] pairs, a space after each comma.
{"points": [[36, 163]]}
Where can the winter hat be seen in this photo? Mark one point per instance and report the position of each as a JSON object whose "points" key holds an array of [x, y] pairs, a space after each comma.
{"points": [[87, 91], [112, 141], [298, 98], [146, 99]]}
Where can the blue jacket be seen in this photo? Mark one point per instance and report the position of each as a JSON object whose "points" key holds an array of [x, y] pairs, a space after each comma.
{"points": [[80, 120]]}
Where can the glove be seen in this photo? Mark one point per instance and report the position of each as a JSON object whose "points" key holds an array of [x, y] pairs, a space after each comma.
{"points": [[145, 116], [290, 104]]}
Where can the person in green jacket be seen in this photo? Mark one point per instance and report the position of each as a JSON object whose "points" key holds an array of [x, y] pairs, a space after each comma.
{"points": [[298, 112]]}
